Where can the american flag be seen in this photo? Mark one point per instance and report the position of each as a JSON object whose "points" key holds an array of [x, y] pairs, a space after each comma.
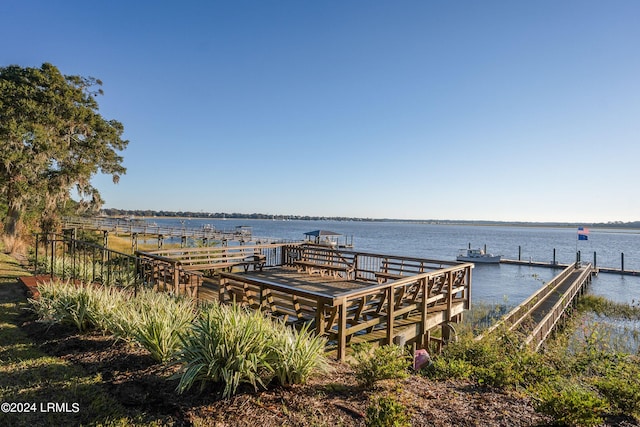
{"points": [[583, 233]]}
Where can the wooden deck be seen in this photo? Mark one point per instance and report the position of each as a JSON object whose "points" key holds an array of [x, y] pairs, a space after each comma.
{"points": [[346, 310], [345, 295]]}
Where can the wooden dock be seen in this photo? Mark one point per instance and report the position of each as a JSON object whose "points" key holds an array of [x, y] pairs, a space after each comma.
{"points": [[539, 314], [141, 229], [551, 264]]}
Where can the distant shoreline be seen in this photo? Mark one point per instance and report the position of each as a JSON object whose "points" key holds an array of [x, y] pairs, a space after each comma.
{"points": [[236, 216]]}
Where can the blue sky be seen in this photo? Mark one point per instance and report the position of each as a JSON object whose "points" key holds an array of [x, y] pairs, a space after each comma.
{"points": [[497, 110]]}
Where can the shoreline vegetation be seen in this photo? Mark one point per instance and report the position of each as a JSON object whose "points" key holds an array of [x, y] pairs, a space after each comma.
{"points": [[259, 216]]}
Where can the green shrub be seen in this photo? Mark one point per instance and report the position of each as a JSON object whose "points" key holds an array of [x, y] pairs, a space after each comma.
{"points": [[154, 320], [44, 306], [570, 403], [64, 302], [379, 363], [621, 387], [498, 360], [443, 369], [387, 412], [108, 305], [229, 345]]}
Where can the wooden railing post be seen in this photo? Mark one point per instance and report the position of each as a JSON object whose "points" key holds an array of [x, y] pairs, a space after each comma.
{"points": [[176, 279], [423, 341], [342, 330], [391, 302]]}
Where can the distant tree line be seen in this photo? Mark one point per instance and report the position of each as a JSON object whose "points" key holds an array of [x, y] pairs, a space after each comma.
{"points": [[225, 215]]}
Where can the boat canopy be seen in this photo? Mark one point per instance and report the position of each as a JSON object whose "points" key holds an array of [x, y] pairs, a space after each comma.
{"points": [[321, 233]]}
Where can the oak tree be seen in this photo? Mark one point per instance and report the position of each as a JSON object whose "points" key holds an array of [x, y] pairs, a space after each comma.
{"points": [[53, 140]]}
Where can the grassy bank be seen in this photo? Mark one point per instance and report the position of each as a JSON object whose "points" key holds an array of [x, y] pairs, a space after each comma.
{"points": [[49, 390]]}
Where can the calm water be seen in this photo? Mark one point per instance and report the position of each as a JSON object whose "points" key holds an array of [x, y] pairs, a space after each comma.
{"points": [[491, 283]]}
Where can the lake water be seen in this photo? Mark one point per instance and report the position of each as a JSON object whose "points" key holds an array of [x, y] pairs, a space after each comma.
{"points": [[491, 284]]}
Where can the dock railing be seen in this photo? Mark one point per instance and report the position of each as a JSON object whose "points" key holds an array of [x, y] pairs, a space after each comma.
{"points": [[514, 317], [542, 330], [403, 298]]}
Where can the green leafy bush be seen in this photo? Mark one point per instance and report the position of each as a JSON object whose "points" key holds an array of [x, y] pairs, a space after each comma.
{"points": [[443, 369], [157, 320], [621, 387], [387, 412], [154, 320], [570, 403], [498, 360], [379, 363], [64, 302]]}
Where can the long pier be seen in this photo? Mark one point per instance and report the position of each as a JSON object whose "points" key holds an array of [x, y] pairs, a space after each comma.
{"points": [[596, 270], [539, 314], [136, 228]]}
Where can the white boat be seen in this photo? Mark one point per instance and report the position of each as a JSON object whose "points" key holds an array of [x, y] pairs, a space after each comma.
{"points": [[478, 255]]}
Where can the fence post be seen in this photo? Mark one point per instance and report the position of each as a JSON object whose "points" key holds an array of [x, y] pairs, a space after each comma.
{"points": [[519, 253], [35, 264], [622, 262], [53, 243]]}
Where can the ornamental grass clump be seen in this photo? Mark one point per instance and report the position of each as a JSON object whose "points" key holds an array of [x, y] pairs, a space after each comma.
{"points": [[228, 345], [64, 302], [299, 355], [233, 346], [44, 305], [157, 320], [151, 319]]}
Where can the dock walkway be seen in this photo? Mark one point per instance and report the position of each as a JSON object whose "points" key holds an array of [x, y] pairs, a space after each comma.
{"points": [[136, 228], [539, 314]]}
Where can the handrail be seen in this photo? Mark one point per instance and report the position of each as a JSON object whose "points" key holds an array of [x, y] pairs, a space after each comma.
{"points": [[546, 325], [520, 311]]}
